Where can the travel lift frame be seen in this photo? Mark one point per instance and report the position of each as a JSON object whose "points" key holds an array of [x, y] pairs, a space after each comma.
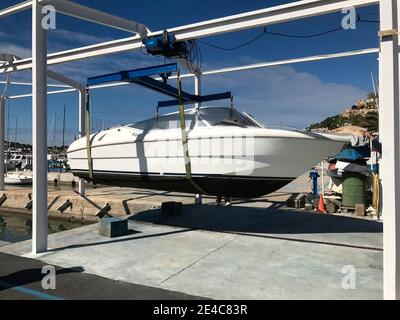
{"points": [[389, 115]]}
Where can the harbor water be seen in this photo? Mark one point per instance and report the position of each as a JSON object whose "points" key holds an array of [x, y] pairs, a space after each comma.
{"points": [[15, 227]]}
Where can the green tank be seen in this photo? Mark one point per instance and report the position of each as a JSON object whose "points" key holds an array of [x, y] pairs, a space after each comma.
{"points": [[353, 191]]}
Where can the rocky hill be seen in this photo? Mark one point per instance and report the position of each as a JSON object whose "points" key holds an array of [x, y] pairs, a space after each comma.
{"points": [[364, 113]]}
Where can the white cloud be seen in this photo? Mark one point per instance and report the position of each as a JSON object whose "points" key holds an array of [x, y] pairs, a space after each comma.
{"points": [[21, 51], [80, 70], [284, 95], [76, 37], [4, 34]]}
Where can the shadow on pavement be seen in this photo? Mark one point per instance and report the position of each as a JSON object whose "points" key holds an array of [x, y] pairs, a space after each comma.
{"points": [[272, 220], [27, 276]]}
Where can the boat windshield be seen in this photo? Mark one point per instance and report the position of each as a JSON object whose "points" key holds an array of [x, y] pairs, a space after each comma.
{"points": [[206, 117]]}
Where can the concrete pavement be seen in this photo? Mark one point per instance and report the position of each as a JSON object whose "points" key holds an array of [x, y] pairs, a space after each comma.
{"points": [[258, 250], [20, 279]]}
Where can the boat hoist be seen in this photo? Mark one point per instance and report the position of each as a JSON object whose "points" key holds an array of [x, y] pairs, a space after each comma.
{"points": [[166, 45]]}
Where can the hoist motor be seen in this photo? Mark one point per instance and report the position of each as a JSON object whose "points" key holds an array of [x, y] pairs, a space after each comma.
{"points": [[165, 45]]}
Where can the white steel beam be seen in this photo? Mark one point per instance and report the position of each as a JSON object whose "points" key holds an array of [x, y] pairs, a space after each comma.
{"points": [[249, 20], [389, 131], [85, 13], [293, 61], [29, 84], [39, 132], [60, 78], [82, 133], [51, 74], [197, 91], [278, 14], [14, 9], [28, 95], [231, 69], [6, 57], [197, 88], [2, 131]]}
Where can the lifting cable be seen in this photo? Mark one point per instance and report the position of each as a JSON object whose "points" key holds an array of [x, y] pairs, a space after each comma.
{"points": [[87, 132], [185, 144], [376, 194]]}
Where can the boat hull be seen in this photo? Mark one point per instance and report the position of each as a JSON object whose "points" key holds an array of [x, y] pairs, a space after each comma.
{"points": [[15, 180], [218, 185]]}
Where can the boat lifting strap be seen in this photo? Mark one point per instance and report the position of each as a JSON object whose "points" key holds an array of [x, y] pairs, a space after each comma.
{"points": [[185, 144], [87, 131]]}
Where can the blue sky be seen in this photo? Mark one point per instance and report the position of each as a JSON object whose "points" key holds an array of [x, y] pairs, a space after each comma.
{"points": [[293, 95]]}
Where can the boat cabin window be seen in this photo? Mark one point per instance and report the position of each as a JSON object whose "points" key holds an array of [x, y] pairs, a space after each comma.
{"points": [[224, 117], [171, 121], [218, 116]]}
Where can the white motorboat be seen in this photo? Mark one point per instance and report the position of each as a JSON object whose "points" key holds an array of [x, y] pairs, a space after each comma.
{"points": [[17, 178], [19, 161], [231, 154]]}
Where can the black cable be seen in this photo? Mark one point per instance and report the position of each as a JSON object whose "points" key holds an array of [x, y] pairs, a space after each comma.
{"points": [[193, 56], [362, 20], [371, 21], [236, 47], [298, 36], [271, 33], [304, 36], [370, 13]]}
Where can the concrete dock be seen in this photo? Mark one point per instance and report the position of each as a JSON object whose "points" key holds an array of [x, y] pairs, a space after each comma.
{"points": [[123, 201], [253, 250]]}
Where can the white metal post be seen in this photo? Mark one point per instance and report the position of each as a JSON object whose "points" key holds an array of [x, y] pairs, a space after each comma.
{"points": [[197, 91], [82, 133], [322, 178], [39, 131], [2, 130], [389, 129], [197, 87]]}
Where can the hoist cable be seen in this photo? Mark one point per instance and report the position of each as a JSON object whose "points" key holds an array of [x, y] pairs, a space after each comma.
{"points": [[185, 144]]}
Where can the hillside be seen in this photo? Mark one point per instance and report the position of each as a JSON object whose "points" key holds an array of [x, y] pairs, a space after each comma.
{"points": [[363, 113]]}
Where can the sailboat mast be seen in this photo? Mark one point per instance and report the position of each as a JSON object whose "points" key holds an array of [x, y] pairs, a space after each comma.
{"points": [[15, 133], [55, 129], [375, 91], [8, 125], [63, 132]]}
